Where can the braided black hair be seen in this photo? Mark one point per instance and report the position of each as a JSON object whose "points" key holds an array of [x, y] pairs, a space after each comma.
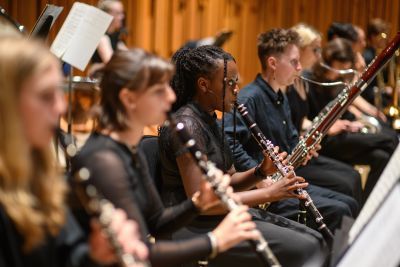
{"points": [[190, 64]]}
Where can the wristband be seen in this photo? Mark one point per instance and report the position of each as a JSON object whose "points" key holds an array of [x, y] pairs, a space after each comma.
{"points": [[214, 245]]}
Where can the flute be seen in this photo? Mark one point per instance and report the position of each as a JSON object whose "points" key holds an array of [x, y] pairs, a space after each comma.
{"points": [[210, 171], [268, 149], [103, 210]]}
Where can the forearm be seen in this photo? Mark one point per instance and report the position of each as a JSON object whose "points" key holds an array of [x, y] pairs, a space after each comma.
{"points": [[175, 217], [364, 106], [164, 253], [245, 180], [250, 198], [256, 196]]}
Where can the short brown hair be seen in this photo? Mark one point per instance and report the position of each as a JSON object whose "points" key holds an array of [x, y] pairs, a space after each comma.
{"points": [[274, 42], [338, 49], [376, 26]]}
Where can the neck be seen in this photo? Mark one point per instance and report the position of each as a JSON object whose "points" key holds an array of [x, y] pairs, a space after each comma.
{"points": [[205, 103], [330, 75], [130, 137], [268, 76]]}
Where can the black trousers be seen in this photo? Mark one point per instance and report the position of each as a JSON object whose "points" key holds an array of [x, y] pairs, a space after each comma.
{"points": [[292, 243], [332, 174], [374, 150], [332, 205]]}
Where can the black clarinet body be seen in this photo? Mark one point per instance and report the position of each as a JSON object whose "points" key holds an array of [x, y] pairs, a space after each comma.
{"points": [[209, 170], [306, 205], [101, 208]]}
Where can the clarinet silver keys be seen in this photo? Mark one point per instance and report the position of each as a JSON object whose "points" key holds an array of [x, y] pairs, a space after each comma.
{"points": [[306, 205], [103, 210], [210, 171]]}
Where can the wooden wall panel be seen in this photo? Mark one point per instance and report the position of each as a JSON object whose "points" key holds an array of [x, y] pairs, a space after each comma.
{"points": [[162, 26]]}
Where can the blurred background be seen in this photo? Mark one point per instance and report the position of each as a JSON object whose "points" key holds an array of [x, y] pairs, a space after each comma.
{"points": [[162, 26]]}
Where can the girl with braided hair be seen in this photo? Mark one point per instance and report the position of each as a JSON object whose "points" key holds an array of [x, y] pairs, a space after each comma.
{"points": [[135, 92], [206, 81]]}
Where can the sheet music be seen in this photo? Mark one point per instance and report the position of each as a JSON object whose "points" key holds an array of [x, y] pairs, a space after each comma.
{"points": [[49, 10], [378, 245], [68, 29], [80, 34], [389, 177]]}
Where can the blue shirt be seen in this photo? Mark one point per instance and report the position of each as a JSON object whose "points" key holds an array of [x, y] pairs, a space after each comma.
{"points": [[271, 112]]}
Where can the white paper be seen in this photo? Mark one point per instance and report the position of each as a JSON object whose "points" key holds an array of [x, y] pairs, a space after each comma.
{"points": [[80, 34], [378, 243], [387, 180]]}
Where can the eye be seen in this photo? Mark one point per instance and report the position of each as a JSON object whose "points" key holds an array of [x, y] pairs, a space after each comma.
{"points": [[317, 50], [47, 96], [294, 62], [231, 82], [160, 90]]}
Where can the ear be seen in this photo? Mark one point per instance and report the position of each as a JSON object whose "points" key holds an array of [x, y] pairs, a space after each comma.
{"points": [[203, 84], [128, 98], [271, 62]]}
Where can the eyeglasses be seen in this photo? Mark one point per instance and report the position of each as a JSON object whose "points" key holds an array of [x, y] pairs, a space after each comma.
{"points": [[231, 82], [295, 63], [317, 50]]}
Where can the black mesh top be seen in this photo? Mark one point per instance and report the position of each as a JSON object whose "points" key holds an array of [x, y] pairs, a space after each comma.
{"points": [[205, 130], [121, 174]]}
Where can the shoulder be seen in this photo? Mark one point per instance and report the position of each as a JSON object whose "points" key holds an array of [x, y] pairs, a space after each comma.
{"points": [[100, 152]]}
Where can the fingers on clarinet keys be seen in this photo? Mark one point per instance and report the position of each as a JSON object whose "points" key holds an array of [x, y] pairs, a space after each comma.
{"points": [[126, 233], [236, 227], [294, 183], [206, 199]]}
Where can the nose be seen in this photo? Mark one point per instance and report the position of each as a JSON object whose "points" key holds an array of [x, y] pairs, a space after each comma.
{"points": [[299, 67], [236, 90], [171, 96], [60, 105]]}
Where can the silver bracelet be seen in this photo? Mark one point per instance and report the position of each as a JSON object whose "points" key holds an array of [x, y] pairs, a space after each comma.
{"points": [[214, 245]]}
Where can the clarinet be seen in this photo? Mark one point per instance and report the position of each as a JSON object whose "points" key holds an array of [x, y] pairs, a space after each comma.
{"points": [[102, 209], [268, 149], [339, 105], [209, 169], [18, 26]]}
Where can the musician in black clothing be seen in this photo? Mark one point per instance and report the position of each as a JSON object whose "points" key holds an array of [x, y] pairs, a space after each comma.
{"points": [[36, 227], [279, 55], [348, 144], [355, 35], [112, 40], [206, 81], [377, 38], [135, 93]]}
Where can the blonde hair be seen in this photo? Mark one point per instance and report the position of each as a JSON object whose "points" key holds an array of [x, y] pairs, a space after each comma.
{"points": [[307, 34], [31, 189], [105, 4]]}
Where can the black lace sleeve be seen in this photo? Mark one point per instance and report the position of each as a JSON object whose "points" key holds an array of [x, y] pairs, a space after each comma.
{"points": [[110, 176], [161, 220], [164, 253], [171, 143]]}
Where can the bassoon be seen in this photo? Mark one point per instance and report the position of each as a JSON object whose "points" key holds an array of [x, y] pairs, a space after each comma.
{"points": [[334, 110]]}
